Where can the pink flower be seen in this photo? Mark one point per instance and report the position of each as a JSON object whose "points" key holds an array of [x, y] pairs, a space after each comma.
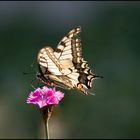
{"points": [[45, 96]]}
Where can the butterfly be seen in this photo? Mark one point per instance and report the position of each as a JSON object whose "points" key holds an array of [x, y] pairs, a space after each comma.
{"points": [[64, 66]]}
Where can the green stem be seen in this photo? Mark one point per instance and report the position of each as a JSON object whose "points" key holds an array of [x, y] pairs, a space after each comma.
{"points": [[46, 113], [47, 128]]}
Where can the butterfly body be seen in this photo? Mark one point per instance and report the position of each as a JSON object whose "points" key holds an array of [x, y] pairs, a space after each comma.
{"points": [[64, 67]]}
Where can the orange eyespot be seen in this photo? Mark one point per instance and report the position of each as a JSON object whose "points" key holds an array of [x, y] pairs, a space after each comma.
{"points": [[80, 86]]}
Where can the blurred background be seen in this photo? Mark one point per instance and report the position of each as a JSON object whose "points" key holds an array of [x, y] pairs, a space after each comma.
{"points": [[111, 45]]}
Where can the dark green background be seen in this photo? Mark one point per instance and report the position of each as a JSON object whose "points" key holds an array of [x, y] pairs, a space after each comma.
{"points": [[111, 45]]}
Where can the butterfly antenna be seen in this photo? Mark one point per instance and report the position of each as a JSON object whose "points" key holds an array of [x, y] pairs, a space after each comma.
{"points": [[33, 70], [32, 83], [32, 66], [25, 73], [97, 76]]}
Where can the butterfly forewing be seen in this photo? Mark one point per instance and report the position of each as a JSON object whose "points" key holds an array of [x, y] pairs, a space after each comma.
{"points": [[70, 46], [64, 67]]}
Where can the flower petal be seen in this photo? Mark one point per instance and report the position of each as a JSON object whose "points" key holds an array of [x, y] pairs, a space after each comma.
{"points": [[44, 96]]}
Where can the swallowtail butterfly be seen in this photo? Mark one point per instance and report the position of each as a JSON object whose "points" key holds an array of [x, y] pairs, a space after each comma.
{"points": [[64, 67]]}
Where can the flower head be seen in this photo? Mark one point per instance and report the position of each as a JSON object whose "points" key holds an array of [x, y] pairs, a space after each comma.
{"points": [[45, 96]]}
